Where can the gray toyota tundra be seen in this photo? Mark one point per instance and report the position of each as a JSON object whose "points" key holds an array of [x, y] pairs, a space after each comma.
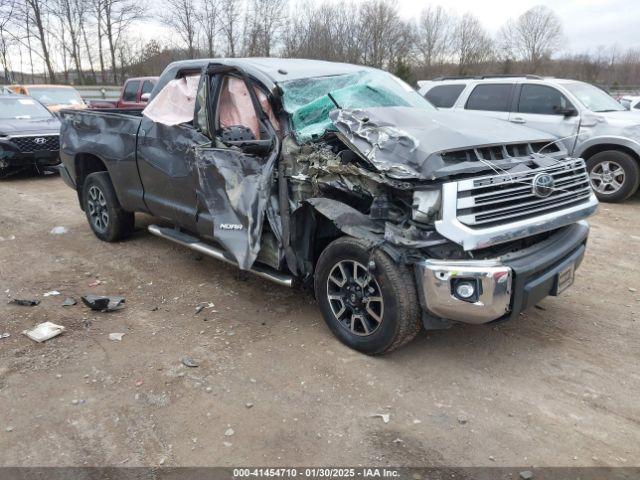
{"points": [[343, 179]]}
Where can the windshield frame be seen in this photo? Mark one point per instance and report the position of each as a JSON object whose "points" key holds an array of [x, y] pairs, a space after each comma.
{"points": [[609, 104]]}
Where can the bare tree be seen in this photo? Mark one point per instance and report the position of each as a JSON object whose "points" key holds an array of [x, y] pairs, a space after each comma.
{"points": [[7, 8], [34, 12], [118, 15], [208, 16], [230, 16], [471, 44], [71, 15], [381, 31], [262, 26], [533, 37], [433, 35], [181, 16]]}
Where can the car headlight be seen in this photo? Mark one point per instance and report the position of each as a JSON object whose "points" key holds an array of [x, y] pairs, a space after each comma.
{"points": [[426, 205]]}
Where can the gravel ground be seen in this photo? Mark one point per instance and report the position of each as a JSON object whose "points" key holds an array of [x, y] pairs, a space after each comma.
{"points": [[557, 387]]}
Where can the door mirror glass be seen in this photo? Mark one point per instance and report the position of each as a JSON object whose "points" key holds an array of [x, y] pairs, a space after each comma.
{"points": [[145, 97]]}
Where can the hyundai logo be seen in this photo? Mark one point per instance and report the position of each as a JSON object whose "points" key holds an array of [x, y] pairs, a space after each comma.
{"points": [[40, 141], [542, 185]]}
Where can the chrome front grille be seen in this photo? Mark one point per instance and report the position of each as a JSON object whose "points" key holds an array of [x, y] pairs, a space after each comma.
{"points": [[500, 199], [37, 143]]}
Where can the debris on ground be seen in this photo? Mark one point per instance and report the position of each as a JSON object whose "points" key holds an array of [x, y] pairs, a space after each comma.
{"points": [[60, 230], [229, 432], [25, 302], [103, 303], [227, 444], [95, 283], [248, 405], [69, 301], [52, 293], [189, 362], [76, 401], [44, 331], [116, 337], [4, 335], [203, 305], [384, 416], [526, 475], [462, 419]]}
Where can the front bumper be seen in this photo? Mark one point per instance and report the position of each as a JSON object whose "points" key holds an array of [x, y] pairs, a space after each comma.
{"points": [[506, 285]]}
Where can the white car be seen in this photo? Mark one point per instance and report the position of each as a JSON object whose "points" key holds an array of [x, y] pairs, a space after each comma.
{"points": [[589, 122]]}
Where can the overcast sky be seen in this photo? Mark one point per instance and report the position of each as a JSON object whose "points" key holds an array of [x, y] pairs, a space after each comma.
{"points": [[587, 23]]}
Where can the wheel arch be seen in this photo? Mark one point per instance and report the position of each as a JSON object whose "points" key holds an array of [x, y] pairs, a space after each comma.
{"points": [[84, 165], [590, 150]]}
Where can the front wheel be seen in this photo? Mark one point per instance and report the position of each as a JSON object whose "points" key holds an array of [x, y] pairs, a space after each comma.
{"points": [[371, 308], [106, 217], [614, 175]]}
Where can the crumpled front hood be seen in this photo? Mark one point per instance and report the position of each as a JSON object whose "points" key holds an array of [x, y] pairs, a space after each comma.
{"points": [[26, 126], [402, 140]]}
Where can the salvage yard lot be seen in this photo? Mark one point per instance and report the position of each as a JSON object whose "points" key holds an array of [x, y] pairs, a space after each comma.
{"points": [[559, 386]]}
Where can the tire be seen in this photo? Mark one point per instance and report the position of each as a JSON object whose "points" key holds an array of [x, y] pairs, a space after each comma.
{"points": [[614, 175], [106, 217], [398, 310]]}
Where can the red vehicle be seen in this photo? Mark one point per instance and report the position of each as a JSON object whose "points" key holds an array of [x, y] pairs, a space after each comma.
{"points": [[133, 96]]}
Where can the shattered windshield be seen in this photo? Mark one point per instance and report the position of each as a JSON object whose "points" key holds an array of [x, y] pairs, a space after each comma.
{"points": [[309, 100]]}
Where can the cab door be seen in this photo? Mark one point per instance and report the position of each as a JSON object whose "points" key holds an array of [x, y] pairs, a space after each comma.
{"points": [[166, 166], [235, 171], [545, 108]]}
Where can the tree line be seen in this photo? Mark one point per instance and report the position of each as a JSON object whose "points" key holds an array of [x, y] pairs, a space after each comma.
{"points": [[95, 41]]}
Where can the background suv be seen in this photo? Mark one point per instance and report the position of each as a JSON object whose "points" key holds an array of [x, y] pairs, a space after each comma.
{"points": [[589, 122]]}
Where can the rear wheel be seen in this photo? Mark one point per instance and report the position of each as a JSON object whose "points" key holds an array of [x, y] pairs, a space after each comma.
{"points": [[372, 310], [614, 175], [106, 217]]}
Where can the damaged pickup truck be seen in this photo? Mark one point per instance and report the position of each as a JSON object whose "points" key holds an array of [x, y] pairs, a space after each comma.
{"points": [[344, 179]]}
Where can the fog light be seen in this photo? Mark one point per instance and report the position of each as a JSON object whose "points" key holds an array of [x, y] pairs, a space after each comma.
{"points": [[465, 290]]}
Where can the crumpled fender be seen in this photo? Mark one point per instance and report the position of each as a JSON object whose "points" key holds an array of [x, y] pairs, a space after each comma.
{"points": [[349, 220]]}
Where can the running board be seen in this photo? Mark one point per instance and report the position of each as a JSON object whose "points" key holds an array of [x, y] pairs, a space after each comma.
{"points": [[195, 244]]}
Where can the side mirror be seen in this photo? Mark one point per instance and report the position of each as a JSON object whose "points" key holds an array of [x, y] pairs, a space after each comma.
{"points": [[145, 97], [567, 112]]}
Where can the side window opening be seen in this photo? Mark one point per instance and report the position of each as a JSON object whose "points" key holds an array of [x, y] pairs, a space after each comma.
{"points": [[490, 97], [130, 91], [445, 96], [541, 99], [235, 109], [147, 86]]}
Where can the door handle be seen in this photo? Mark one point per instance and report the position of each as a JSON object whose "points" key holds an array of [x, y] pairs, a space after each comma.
{"points": [[518, 120]]}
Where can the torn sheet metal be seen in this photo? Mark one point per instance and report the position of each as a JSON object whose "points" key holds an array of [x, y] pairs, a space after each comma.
{"points": [[175, 103], [349, 220], [235, 187], [405, 142]]}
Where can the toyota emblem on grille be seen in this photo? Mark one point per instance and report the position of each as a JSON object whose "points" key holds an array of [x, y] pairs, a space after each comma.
{"points": [[542, 185], [40, 141]]}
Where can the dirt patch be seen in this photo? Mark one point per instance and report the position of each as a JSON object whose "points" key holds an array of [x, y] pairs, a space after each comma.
{"points": [[558, 386]]}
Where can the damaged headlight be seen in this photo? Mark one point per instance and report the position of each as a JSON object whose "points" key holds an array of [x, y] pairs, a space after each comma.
{"points": [[426, 205]]}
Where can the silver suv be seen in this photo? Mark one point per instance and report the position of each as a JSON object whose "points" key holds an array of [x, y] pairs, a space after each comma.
{"points": [[589, 122]]}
